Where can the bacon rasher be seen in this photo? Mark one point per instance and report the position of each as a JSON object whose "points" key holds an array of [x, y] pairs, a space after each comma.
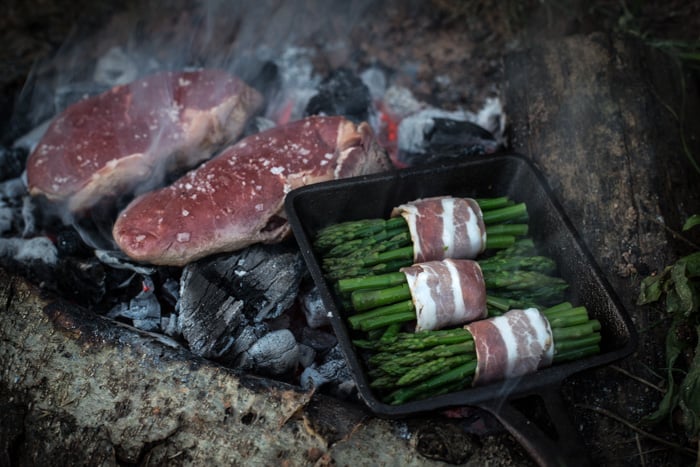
{"points": [[446, 293], [444, 227], [514, 344]]}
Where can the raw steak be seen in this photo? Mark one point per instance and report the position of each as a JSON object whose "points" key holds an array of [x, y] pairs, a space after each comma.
{"points": [[237, 198], [131, 135]]}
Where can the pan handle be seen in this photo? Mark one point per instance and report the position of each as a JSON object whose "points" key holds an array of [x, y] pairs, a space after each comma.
{"points": [[566, 449]]}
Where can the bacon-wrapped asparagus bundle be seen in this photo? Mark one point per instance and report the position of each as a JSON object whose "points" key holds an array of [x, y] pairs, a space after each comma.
{"points": [[423, 230], [410, 366], [438, 294]]}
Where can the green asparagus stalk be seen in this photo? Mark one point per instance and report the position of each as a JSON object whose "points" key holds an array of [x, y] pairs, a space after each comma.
{"points": [[413, 366]]}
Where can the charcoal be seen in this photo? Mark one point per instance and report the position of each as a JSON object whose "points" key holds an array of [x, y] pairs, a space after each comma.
{"points": [[170, 325], [314, 309], [13, 189], [426, 138], [82, 280], [7, 217], [274, 354], [319, 340], [12, 162], [170, 291], [332, 374], [221, 295], [298, 84], [69, 243], [341, 93], [307, 355], [241, 343], [143, 309]]}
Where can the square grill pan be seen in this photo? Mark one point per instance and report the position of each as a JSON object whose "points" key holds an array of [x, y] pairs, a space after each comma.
{"points": [[313, 207]]}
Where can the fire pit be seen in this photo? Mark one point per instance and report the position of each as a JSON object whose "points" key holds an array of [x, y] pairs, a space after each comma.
{"points": [[251, 320]]}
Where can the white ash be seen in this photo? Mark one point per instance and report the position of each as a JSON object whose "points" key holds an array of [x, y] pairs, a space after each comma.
{"points": [[274, 354], [375, 80], [298, 83], [118, 260], [28, 217], [412, 129], [492, 117], [144, 309], [314, 310], [245, 339], [333, 373], [7, 217], [26, 250], [400, 102], [17, 209], [170, 325], [15, 188]]}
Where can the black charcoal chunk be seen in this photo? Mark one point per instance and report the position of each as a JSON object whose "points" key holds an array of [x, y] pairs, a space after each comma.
{"points": [[319, 340], [314, 309], [222, 295], [12, 162], [274, 354], [307, 355], [332, 374], [426, 139], [341, 93], [143, 309]]}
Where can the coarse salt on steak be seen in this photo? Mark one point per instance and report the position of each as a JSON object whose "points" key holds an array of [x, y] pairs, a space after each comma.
{"points": [[128, 137], [237, 198], [445, 293]]}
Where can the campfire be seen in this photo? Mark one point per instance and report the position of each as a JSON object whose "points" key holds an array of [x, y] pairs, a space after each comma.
{"points": [[115, 229], [250, 305]]}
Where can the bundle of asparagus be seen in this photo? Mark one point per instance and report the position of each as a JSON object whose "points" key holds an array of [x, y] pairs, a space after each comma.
{"points": [[414, 366], [417, 232], [514, 277]]}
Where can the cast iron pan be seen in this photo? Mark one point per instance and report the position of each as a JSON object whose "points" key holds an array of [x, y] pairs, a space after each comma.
{"points": [[315, 206]]}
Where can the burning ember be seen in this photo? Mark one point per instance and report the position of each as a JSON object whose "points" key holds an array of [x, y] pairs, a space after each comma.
{"points": [[241, 302]]}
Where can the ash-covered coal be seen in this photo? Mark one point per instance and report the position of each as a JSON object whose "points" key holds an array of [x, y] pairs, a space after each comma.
{"points": [[443, 139], [221, 296], [12, 162], [342, 92]]}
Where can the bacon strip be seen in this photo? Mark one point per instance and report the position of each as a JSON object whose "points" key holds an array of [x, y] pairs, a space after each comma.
{"points": [[445, 293], [514, 344], [444, 227]]}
